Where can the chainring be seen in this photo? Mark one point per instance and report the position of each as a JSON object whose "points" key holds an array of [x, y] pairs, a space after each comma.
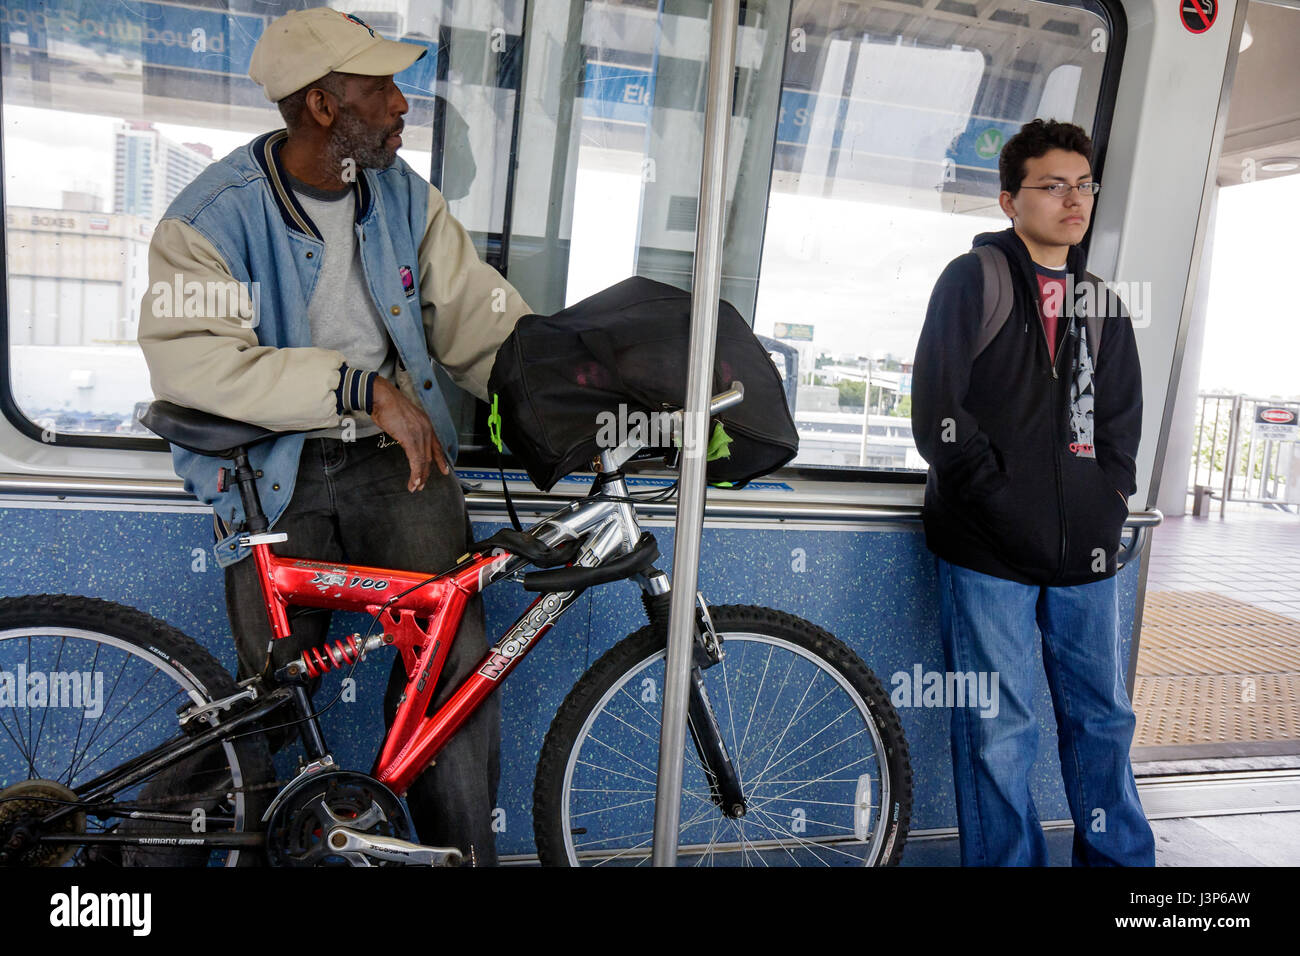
{"points": [[24, 804], [303, 817]]}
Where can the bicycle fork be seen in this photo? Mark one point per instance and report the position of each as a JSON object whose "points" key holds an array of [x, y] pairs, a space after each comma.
{"points": [[724, 782]]}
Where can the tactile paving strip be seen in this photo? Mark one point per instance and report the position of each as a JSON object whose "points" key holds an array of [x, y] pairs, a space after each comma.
{"points": [[1212, 669]]}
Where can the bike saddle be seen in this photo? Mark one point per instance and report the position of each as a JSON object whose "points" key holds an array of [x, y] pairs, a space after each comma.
{"points": [[200, 432]]}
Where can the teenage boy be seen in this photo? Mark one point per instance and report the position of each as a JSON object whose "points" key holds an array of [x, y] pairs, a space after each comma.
{"points": [[1030, 420]]}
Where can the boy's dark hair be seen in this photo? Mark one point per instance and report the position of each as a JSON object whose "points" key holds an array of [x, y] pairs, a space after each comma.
{"points": [[1036, 139]]}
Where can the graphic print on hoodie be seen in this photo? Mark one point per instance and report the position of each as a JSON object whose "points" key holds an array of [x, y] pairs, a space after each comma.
{"points": [[1053, 287]]}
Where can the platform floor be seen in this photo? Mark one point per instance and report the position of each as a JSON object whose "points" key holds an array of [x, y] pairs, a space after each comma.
{"points": [[1218, 670], [1256, 839]]}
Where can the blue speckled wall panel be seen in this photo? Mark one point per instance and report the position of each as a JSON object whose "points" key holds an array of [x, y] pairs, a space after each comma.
{"points": [[873, 589]]}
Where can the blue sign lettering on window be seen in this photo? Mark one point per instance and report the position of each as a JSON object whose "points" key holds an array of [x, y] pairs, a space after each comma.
{"points": [[157, 34], [614, 92], [795, 117]]}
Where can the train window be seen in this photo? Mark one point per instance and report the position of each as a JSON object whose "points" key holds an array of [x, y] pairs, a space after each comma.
{"points": [[111, 109], [890, 126], [612, 138], [567, 137]]}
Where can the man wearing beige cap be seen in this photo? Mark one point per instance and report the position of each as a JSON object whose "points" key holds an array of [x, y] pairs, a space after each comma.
{"points": [[361, 279]]}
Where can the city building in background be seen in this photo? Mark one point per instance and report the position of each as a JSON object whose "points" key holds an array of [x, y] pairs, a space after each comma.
{"points": [[149, 170]]}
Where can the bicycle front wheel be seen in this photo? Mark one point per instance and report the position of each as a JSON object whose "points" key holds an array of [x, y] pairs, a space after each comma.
{"points": [[88, 686], [818, 747]]}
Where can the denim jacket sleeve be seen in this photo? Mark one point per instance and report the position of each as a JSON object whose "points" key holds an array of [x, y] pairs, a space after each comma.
{"points": [[468, 308], [208, 357]]}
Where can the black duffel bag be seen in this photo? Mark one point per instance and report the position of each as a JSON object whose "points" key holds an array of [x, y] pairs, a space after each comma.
{"points": [[559, 382]]}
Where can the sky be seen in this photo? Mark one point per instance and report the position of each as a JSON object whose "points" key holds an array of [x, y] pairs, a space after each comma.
{"points": [[36, 174], [1252, 332]]}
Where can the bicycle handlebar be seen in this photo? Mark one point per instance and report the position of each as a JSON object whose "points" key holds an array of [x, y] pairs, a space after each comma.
{"points": [[733, 396]]}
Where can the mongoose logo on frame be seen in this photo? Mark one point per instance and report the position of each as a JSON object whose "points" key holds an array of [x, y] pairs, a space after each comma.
{"points": [[522, 634], [542, 616]]}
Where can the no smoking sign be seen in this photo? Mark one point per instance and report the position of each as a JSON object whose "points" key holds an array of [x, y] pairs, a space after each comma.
{"points": [[1198, 15]]}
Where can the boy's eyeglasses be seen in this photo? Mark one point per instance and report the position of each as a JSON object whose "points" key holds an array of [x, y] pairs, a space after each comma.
{"points": [[1061, 190]]}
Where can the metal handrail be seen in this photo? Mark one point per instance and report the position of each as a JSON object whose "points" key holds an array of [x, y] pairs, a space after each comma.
{"points": [[730, 506]]}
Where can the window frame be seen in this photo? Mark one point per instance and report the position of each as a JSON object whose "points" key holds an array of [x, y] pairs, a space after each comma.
{"points": [[477, 454]]}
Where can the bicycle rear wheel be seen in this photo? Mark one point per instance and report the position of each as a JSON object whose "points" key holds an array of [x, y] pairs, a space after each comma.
{"points": [[86, 686], [818, 747]]}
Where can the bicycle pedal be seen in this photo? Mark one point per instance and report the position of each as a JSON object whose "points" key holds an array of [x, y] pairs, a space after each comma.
{"points": [[359, 848]]}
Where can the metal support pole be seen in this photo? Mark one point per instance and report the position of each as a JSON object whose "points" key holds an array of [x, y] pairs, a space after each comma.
{"points": [[1196, 455], [690, 510], [1230, 454]]}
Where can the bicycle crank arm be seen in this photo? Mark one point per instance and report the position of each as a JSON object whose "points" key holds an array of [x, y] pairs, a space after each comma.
{"points": [[360, 848]]}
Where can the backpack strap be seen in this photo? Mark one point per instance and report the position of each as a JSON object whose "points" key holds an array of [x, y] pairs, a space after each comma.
{"points": [[998, 295], [998, 301]]}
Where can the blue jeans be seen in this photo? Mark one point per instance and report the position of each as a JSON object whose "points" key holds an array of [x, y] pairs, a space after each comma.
{"points": [[990, 625], [351, 505]]}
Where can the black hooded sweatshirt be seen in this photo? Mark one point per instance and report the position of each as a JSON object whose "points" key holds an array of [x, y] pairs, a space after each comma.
{"points": [[1031, 462]]}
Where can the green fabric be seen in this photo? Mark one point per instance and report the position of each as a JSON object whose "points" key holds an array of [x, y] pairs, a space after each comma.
{"points": [[494, 425], [719, 443]]}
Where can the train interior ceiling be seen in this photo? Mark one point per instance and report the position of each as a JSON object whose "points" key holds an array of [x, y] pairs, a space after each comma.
{"points": [[568, 137]]}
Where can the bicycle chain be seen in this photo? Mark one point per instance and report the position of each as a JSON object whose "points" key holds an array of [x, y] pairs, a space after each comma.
{"points": [[172, 801], [185, 797]]}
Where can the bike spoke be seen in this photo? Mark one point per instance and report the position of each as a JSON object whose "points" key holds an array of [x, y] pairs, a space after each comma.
{"points": [[617, 806], [789, 723], [777, 837], [82, 723], [584, 763], [757, 694], [731, 712], [101, 727], [805, 844], [776, 748], [796, 743], [16, 736], [128, 731], [31, 756], [772, 711], [635, 763], [49, 704], [651, 738], [823, 779], [805, 742], [644, 709]]}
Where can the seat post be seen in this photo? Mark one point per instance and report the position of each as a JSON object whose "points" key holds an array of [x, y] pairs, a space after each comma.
{"points": [[254, 520]]}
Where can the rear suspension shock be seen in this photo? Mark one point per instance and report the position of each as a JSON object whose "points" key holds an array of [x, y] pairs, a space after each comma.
{"points": [[316, 661]]}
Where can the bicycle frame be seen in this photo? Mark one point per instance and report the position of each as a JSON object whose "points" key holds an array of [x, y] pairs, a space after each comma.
{"points": [[608, 529], [422, 620]]}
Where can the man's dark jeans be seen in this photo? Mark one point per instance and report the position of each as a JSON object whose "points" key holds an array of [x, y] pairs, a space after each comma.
{"points": [[351, 505]]}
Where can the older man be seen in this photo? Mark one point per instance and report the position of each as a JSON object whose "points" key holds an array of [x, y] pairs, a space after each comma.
{"points": [[357, 279]]}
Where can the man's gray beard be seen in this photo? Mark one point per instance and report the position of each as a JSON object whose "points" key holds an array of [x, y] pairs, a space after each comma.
{"points": [[352, 139]]}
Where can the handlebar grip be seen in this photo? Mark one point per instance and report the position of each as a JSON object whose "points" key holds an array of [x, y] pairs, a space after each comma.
{"points": [[575, 578]]}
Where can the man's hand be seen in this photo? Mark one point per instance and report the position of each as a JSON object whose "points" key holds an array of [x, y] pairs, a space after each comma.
{"points": [[408, 424]]}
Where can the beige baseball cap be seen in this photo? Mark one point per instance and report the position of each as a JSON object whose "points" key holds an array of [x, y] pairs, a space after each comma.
{"points": [[304, 45]]}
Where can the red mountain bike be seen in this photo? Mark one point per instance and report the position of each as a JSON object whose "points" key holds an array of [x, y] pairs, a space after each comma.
{"points": [[798, 757]]}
